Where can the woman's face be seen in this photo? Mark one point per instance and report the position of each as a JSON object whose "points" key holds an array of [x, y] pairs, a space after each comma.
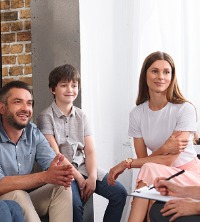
{"points": [[159, 76]]}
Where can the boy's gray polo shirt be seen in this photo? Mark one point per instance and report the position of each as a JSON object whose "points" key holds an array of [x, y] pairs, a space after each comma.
{"points": [[69, 132]]}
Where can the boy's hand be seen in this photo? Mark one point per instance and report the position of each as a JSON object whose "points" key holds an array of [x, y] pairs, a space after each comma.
{"points": [[90, 187], [81, 183]]}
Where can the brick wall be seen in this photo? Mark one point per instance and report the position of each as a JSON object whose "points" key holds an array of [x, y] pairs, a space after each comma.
{"points": [[16, 40]]}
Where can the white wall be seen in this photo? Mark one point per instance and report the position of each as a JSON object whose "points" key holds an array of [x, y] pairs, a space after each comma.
{"points": [[116, 36], [106, 63]]}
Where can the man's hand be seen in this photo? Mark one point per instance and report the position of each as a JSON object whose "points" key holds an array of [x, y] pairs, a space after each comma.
{"points": [[166, 187], [180, 207], [58, 173]]}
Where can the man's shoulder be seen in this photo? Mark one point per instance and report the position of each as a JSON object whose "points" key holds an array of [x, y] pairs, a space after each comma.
{"points": [[31, 127]]}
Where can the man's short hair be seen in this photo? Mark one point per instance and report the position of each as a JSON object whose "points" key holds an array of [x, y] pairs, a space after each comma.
{"points": [[63, 73], [4, 91]]}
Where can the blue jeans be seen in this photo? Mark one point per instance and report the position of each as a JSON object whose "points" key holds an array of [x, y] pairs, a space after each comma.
{"points": [[116, 196], [10, 211]]}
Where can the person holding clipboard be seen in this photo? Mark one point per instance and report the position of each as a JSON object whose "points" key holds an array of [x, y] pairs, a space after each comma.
{"points": [[164, 122], [186, 209]]}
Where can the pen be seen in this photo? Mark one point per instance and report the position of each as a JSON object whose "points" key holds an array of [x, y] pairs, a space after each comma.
{"points": [[169, 178]]}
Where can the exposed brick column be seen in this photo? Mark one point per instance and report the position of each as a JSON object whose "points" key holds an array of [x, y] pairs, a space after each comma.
{"points": [[16, 41]]}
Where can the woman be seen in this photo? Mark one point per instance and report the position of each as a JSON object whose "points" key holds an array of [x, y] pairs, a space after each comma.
{"points": [[164, 122]]}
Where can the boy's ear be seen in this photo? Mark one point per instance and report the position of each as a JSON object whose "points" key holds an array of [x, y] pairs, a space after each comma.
{"points": [[52, 91], [2, 108]]}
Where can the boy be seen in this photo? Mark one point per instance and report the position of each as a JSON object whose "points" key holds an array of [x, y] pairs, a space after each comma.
{"points": [[68, 132]]}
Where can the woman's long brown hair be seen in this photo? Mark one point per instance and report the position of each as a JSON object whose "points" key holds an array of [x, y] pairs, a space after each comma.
{"points": [[174, 94]]}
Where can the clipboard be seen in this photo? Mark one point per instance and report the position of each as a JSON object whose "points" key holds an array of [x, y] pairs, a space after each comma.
{"points": [[151, 194]]}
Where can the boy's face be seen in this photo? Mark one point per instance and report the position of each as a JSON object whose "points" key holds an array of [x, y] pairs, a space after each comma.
{"points": [[66, 92]]}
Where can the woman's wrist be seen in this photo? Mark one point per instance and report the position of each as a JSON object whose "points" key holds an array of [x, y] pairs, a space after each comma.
{"points": [[128, 163]]}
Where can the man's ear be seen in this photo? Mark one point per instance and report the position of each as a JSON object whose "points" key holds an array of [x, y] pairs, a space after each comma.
{"points": [[2, 108]]}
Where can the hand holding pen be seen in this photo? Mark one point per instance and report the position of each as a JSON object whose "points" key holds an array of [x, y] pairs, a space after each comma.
{"points": [[169, 178]]}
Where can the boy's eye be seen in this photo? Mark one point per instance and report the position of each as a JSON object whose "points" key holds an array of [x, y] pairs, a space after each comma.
{"points": [[63, 85], [75, 85]]}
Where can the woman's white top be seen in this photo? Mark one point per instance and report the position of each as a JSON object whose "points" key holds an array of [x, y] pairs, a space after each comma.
{"points": [[155, 127]]}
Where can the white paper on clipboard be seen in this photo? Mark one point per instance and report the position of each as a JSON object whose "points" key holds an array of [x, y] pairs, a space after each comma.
{"points": [[152, 194]]}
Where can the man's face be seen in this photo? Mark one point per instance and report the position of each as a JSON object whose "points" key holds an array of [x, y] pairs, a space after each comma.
{"points": [[18, 110]]}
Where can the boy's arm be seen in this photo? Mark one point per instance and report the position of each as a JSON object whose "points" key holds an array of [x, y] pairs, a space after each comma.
{"points": [[54, 145], [90, 157], [91, 166]]}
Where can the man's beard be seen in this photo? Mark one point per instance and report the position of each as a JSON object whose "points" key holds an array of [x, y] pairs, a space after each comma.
{"points": [[11, 120]]}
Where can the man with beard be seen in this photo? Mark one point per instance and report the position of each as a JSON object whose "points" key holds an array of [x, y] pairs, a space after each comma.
{"points": [[21, 144]]}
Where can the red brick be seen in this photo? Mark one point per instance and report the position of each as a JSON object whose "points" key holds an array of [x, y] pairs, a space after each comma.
{"points": [[28, 80], [8, 38], [9, 16], [24, 59], [5, 81], [5, 71], [28, 47], [17, 4], [4, 27], [8, 60], [15, 70], [24, 36], [28, 4], [16, 48], [27, 25], [25, 14], [5, 5], [16, 26], [27, 69], [5, 49]]}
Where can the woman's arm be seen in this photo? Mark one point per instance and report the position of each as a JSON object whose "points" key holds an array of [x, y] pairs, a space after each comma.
{"points": [[176, 143], [142, 156], [164, 155]]}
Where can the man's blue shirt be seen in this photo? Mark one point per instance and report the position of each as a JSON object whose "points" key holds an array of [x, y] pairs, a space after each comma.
{"points": [[18, 159]]}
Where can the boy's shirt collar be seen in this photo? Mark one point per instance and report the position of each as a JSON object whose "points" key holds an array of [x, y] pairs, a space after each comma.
{"points": [[59, 113]]}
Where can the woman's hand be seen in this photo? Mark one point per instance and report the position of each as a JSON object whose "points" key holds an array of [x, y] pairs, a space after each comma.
{"points": [[115, 172], [175, 144]]}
